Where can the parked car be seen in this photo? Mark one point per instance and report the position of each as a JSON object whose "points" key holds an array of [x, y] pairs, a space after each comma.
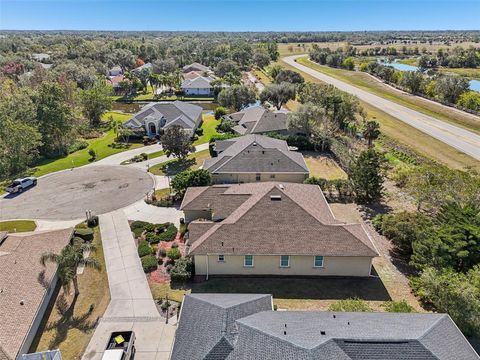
{"points": [[18, 185], [121, 346]]}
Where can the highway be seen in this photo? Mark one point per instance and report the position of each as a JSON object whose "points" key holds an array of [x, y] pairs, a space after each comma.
{"points": [[464, 140]]}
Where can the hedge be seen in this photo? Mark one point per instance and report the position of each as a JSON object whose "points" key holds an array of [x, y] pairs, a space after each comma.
{"points": [[144, 248], [149, 263], [169, 234]]}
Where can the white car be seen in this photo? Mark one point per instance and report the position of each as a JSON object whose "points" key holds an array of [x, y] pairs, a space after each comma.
{"points": [[18, 185]]}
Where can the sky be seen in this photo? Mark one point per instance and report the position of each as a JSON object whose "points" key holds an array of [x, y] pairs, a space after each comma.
{"points": [[244, 15]]}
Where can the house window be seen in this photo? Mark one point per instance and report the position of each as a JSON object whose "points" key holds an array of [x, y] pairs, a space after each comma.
{"points": [[153, 128], [318, 261], [221, 258], [272, 176], [248, 261], [258, 177], [285, 261]]}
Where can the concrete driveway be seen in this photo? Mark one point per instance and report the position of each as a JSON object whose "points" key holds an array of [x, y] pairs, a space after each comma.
{"points": [[67, 194], [455, 136]]}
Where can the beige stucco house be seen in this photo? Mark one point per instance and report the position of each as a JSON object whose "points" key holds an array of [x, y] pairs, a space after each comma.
{"points": [[272, 228], [255, 158]]}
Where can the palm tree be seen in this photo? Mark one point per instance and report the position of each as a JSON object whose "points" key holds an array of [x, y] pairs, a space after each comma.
{"points": [[371, 131], [69, 259]]}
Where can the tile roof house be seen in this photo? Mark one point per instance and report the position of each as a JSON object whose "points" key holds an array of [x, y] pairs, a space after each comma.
{"points": [[253, 158], [196, 67], [272, 228], [198, 86], [148, 67], [258, 120], [241, 327], [154, 117], [25, 286]]}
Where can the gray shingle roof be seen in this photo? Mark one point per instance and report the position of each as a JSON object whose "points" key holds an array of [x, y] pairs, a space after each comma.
{"points": [[200, 82], [256, 154], [213, 326], [257, 120], [255, 224], [178, 112], [207, 327]]}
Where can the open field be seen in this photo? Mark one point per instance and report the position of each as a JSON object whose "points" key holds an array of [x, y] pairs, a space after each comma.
{"points": [[104, 146], [369, 83], [69, 321], [284, 48], [17, 225], [418, 141]]}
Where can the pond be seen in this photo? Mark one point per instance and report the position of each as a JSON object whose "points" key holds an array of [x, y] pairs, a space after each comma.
{"points": [[401, 67], [474, 84]]}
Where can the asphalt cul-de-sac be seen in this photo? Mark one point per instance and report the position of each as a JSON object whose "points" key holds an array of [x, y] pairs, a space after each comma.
{"points": [[68, 194]]}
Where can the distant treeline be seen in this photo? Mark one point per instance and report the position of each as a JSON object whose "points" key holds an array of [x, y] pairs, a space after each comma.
{"points": [[354, 37]]}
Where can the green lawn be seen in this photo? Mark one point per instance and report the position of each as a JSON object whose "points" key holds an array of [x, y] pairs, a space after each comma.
{"points": [[17, 225], [104, 146], [192, 162], [366, 82], [209, 126]]}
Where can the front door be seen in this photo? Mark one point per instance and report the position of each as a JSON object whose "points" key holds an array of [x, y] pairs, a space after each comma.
{"points": [[153, 129]]}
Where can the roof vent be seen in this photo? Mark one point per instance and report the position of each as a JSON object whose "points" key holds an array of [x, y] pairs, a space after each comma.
{"points": [[254, 143], [22, 302], [322, 332], [281, 186], [222, 243], [284, 333], [275, 198], [334, 316]]}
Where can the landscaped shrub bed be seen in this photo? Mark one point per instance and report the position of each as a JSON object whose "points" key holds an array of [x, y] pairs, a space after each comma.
{"points": [[174, 253], [85, 234]]}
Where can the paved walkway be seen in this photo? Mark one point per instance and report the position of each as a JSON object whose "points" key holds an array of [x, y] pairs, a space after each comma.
{"points": [[464, 140], [131, 306]]}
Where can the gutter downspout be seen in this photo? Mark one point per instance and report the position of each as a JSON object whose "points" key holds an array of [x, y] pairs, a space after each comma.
{"points": [[207, 267]]}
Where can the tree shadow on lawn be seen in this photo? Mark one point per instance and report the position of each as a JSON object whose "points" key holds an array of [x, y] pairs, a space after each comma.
{"points": [[175, 166], [66, 322], [328, 288]]}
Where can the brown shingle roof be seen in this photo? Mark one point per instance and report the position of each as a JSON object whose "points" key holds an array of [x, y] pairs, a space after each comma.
{"points": [[274, 219], [23, 278]]}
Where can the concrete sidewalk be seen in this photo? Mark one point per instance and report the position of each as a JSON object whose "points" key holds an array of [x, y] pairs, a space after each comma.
{"points": [[131, 306]]}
